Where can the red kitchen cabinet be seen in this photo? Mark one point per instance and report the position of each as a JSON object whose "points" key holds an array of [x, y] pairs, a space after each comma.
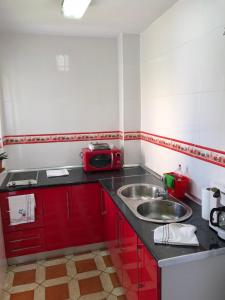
{"points": [[112, 224], [129, 261], [66, 216], [56, 216], [5, 211], [27, 238], [109, 213], [136, 268], [148, 274], [72, 216], [24, 242], [85, 219]]}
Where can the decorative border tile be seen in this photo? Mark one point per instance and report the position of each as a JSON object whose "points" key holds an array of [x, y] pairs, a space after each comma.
{"points": [[132, 135], [206, 154], [209, 155], [61, 137]]}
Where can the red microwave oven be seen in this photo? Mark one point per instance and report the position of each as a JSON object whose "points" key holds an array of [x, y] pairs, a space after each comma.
{"points": [[101, 160]]}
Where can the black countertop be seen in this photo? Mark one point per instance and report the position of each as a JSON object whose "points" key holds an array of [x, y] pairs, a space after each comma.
{"points": [[210, 244], [76, 176]]}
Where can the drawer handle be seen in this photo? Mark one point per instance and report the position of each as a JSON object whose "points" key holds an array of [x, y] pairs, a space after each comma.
{"points": [[102, 204], [26, 248], [25, 239], [68, 205]]}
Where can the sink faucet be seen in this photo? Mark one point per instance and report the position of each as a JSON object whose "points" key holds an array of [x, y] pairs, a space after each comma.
{"points": [[164, 194]]}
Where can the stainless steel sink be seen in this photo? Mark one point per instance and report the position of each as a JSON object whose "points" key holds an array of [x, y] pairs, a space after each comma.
{"points": [[147, 203], [140, 191], [164, 211]]}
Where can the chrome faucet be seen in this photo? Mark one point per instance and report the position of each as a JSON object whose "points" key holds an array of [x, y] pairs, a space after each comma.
{"points": [[164, 194]]}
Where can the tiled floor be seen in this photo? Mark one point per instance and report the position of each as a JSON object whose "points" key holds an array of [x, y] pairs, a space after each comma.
{"points": [[88, 276]]}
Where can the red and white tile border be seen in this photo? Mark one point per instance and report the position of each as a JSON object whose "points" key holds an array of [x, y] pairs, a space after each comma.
{"points": [[61, 137], [210, 155]]}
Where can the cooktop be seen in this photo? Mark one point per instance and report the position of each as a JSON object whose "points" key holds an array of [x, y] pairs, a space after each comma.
{"points": [[23, 178]]}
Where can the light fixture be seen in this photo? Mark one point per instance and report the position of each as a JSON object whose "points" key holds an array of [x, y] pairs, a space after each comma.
{"points": [[75, 8]]}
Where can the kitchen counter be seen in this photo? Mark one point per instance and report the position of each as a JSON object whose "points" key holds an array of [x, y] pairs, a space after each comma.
{"points": [[165, 255], [209, 243], [76, 176]]}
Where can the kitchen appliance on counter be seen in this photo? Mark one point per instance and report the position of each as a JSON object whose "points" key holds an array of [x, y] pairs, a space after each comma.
{"points": [[217, 210], [101, 159], [23, 179], [99, 146]]}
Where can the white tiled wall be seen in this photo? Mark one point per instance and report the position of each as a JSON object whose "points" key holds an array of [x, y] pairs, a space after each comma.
{"points": [[183, 85], [129, 95], [39, 98], [83, 96]]}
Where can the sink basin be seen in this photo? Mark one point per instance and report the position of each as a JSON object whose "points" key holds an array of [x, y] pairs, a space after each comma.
{"points": [[140, 191], [164, 211], [146, 202]]}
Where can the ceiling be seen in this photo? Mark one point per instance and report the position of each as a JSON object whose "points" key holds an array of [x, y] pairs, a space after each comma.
{"points": [[103, 17]]}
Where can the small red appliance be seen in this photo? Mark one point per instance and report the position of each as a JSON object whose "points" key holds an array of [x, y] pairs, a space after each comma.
{"points": [[101, 160]]}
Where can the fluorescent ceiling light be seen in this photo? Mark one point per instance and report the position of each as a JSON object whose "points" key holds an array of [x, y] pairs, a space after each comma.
{"points": [[75, 8]]}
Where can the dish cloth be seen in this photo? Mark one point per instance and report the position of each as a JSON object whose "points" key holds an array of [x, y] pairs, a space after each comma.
{"points": [[176, 234], [169, 179], [22, 209]]}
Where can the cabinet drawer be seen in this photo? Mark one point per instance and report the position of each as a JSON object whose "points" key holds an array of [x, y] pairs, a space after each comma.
{"points": [[24, 242]]}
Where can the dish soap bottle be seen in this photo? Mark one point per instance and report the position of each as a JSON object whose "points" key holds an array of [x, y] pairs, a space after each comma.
{"points": [[179, 172]]}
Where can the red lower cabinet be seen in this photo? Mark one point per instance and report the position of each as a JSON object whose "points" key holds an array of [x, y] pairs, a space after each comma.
{"points": [[78, 215], [24, 242], [148, 274], [56, 216], [4, 205], [85, 219], [65, 216], [129, 260], [136, 268], [112, 231], [72, 216], [27, 238]]}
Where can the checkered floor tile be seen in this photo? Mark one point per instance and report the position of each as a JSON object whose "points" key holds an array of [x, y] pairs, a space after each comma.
{"points": [[87, 276]]}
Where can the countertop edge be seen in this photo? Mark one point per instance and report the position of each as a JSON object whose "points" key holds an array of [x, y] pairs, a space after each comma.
{"points": [[190, 257]]}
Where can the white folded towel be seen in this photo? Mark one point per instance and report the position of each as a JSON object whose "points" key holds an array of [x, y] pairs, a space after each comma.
{"points": [[22, 209], [57, 173], [176, 234]]}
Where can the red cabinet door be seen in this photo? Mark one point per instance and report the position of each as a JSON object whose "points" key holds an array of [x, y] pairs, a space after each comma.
{"points": [[108, 210], [85, 218], [148, 275], [136, 268], [129, 260], [112, 231], [4, 204], [56, 216]]}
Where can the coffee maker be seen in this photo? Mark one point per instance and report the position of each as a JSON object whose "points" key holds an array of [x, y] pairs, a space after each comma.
{"points": [[217, 210]]}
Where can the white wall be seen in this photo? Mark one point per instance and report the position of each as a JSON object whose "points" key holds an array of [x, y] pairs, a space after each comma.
{"points": [[129, 93], [2, 248], [183, 86], [38, 98]]}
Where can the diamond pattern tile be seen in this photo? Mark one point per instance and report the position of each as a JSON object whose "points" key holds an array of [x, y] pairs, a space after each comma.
{"points": [[24, 277], [85, 276]]}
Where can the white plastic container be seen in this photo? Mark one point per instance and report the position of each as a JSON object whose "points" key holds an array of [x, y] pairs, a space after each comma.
{"points": [[205, 203]]}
